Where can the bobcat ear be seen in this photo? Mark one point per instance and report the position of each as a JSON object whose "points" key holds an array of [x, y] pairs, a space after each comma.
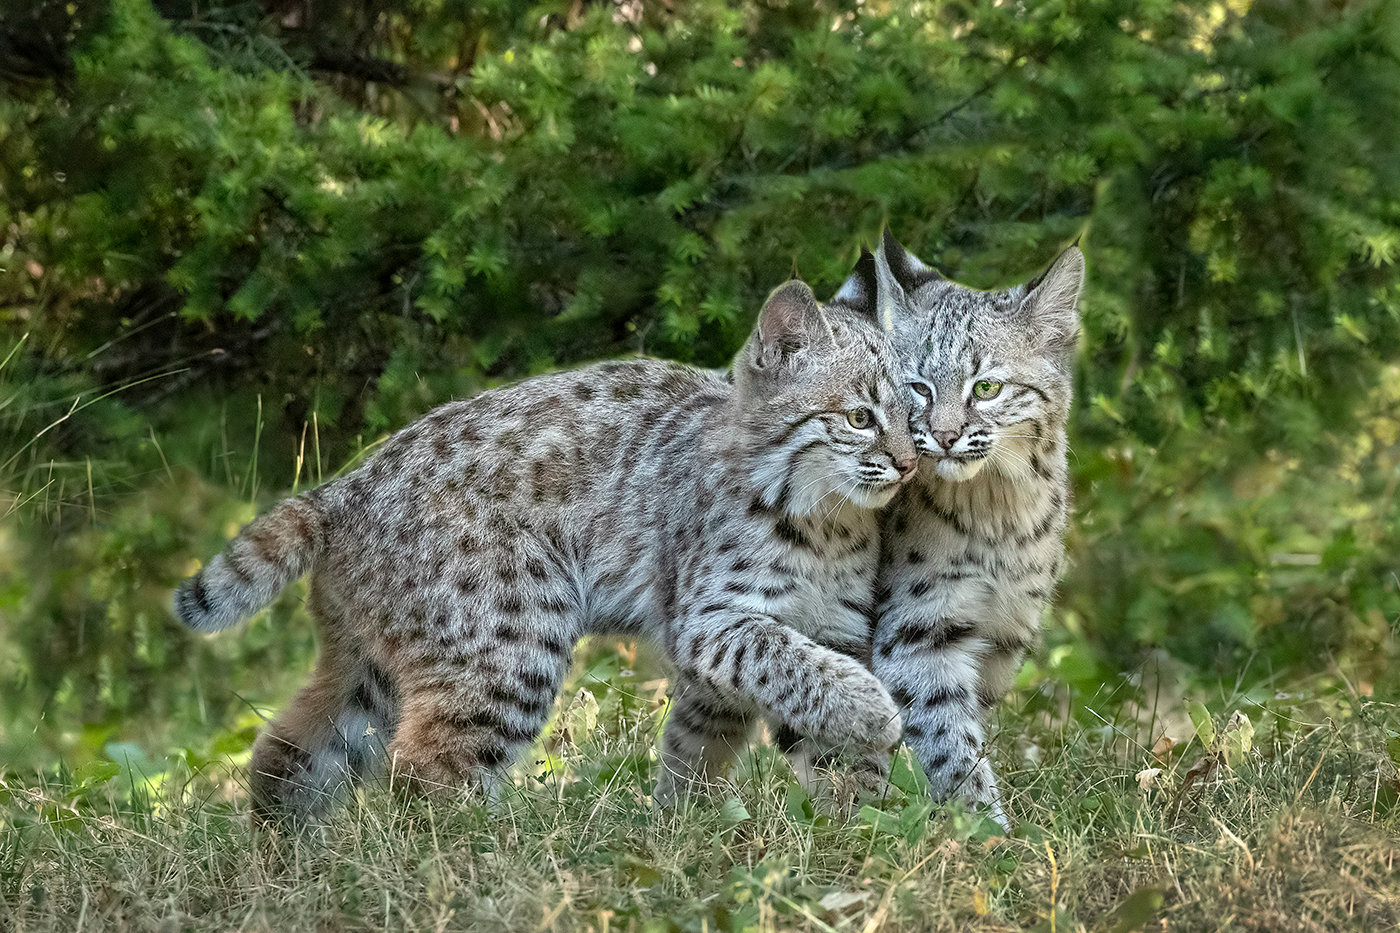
{"points": [[877, 286], [791, 320], [860, 288], [898, 274], [908, 270], [889, 294], [1051, 300]]}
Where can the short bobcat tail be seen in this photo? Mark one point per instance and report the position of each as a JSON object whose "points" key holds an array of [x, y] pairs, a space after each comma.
{"points": [[270, 552]]}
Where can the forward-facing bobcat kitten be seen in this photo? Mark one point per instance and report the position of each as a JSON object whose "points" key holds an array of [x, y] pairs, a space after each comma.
{"points": [[731, 521], [972, 549]]}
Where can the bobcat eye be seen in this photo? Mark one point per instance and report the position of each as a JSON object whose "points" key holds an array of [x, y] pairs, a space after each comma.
{"points": [[921, 390], [985, 389], [860, 418]]}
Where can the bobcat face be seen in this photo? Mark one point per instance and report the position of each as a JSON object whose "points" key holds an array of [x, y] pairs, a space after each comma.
{"points": [[988, 372], [823, 393], [987, 395], [867, 450]]}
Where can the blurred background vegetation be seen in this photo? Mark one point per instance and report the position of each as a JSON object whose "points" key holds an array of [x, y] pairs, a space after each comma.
{"points": [[242, 240]]}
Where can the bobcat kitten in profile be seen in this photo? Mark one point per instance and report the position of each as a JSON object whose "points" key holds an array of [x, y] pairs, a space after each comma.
{"points": [[972, 549], [731, 521]]}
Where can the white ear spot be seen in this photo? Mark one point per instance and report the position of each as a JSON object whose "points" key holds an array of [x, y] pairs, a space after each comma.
{"points": [[851, 292]]}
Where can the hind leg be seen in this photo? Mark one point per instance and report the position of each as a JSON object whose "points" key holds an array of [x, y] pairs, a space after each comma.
{"points": [[702, 736], [470, 712], [284, 754], [329, 738]]}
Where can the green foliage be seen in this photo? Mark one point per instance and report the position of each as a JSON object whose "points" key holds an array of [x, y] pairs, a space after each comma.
{"points": [[240, 242], [604, 185]]}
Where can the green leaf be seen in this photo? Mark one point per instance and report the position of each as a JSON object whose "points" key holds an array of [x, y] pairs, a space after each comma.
{"points": [[1136, 910], [641, 872], [96, 773], [733, 811], [1201, 720], [797, 803], [63, 818], [905, 776], [581, 716], [879, 822], [133, 762], [232, 742], [914, 819], [1238, 739]]}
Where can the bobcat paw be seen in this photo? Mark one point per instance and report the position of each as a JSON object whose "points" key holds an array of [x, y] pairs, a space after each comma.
{"points": [[840, 788], [871, 720]]}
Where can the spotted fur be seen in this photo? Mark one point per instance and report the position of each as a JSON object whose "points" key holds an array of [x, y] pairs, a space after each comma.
{"points": [[972, 549], [730, 520]]}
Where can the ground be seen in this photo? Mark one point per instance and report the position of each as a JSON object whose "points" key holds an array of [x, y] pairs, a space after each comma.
{"points": [[1259, 810]]}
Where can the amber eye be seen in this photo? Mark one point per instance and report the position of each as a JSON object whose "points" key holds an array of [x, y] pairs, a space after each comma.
{"points": [[860, 418], [921, 390], [985, 389]]}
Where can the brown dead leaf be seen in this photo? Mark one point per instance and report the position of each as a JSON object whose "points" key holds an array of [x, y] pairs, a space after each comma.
{"points": [[1196, 777], [1201, 772], [1163, 749]]}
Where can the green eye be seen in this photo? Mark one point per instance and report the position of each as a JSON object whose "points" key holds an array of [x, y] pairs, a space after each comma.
{"points": [[860, 418], [985, 389]]}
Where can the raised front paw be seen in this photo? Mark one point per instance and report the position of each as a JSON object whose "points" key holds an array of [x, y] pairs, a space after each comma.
{"points": [[860, 711]]}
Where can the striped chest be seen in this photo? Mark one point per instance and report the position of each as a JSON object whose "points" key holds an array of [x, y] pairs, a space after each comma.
{"points": [[833, 600], [977, 551]]}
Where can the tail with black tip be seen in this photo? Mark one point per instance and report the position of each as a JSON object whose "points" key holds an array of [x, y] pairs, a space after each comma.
{"points": [[269, 553]]}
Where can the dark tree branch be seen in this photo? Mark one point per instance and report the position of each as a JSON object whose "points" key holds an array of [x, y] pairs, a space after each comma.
{"points": [[368, 68]]}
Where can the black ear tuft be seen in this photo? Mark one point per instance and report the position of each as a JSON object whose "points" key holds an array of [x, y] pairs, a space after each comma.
{"points": [[908, 270], [865, 265], [860, 288]]}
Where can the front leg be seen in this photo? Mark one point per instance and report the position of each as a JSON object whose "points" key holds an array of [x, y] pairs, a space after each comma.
{"points": [[755, 662], [931, 662]]}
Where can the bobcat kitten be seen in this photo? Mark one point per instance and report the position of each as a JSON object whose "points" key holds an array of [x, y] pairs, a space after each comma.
{"points": [[731, 521], [972, 549]]}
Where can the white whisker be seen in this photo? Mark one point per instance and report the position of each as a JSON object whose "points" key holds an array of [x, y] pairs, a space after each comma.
{"points": [[839, 494], [810, 483], [1003, 458]]}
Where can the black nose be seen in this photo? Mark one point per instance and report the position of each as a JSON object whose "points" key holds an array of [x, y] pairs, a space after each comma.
{"points": [[947, 438], [906, 465]]}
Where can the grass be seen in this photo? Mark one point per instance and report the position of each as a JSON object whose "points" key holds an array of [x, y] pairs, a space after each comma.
{"points": [[1295, 829]]}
